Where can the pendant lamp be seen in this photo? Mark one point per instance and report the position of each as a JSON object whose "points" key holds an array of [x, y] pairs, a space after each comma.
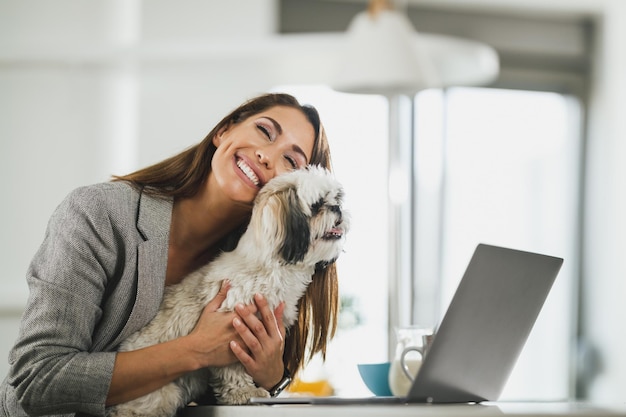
{"points": [[384, 54]]}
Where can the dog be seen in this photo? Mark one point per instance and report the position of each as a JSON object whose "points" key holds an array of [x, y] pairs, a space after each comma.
{"points": [[297, 226]]}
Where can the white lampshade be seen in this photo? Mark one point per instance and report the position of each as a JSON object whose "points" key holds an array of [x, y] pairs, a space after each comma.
{"points": [[383, 54]]}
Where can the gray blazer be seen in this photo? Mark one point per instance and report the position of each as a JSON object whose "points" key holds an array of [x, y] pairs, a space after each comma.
{"points": [[97, 278]]}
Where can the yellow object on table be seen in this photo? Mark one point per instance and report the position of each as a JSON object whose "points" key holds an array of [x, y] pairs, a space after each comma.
{"points": [[321, 388]]}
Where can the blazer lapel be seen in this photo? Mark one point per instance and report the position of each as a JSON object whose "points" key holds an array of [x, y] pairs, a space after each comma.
{"points": [[153, 222]]}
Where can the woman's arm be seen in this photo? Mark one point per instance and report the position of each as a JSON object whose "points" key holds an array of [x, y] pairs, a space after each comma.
{"points": [[53, 367], [142, 371]]}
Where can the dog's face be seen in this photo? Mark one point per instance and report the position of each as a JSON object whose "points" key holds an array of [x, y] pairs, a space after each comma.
{"points": [[299, 217]]}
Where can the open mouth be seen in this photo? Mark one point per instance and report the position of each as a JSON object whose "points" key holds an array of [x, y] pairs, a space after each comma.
{"points": [[333, 234], [248, 172]]}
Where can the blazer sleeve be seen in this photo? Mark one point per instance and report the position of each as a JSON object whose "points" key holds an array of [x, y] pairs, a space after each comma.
{"points": [[53, 370]]}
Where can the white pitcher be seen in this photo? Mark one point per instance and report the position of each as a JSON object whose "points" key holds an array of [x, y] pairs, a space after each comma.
{"points": [[412, 344]]}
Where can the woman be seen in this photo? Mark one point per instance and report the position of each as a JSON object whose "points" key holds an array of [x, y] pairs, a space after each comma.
{"points": [[110, 249]]}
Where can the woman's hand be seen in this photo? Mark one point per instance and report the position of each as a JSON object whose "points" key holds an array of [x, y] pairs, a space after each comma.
{"points": [[214, 332], [264, 341]]}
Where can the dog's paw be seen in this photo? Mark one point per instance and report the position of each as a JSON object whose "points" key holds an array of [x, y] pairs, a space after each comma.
{"points": [[242, 396]]}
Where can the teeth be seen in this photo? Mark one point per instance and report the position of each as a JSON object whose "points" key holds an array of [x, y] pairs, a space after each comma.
{"points": [[335, 233], [248, 171]]}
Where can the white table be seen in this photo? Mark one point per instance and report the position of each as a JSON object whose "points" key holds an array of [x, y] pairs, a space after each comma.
{"points": [[426, 410]]}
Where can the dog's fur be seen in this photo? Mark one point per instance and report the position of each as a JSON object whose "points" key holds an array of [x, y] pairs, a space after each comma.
{"points": [[297, 225]]}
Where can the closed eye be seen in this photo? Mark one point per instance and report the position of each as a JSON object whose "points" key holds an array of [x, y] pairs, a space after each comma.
{"points": [[291, 161], [265, 130]]}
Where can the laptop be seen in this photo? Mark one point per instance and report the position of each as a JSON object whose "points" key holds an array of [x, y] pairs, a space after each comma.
{"points": [[481, 335]]}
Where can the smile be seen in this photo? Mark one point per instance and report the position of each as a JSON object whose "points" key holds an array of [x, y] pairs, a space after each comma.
{"points": [[248, 172]]}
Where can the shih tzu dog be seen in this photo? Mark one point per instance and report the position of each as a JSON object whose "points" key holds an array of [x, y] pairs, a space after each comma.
{"points": [[297, 226]]}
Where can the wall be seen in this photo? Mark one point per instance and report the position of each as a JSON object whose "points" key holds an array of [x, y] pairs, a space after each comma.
{"points": [[604, 261], [79, 102]]}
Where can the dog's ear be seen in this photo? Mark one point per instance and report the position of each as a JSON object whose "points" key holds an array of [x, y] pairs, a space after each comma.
{"points": [[297, 232]]}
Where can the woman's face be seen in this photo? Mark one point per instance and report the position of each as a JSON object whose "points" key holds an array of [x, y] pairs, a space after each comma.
{"points": [[261, 147]]}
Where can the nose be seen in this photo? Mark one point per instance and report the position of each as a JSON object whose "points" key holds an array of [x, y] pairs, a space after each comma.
{"points": [[263, 158], [270, 159]]}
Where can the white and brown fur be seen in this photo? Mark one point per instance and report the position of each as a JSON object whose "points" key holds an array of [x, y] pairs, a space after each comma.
{"points": [[296, 226]]}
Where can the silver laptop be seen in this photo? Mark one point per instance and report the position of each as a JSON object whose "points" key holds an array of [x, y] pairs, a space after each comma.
{"points": [[481, 335]]}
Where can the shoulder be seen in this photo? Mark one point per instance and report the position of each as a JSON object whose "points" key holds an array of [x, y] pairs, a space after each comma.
{"points": [[116, 197], [96, 209], [96, 194]]}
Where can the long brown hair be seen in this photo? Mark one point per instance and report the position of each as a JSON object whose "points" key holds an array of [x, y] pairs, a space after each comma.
{"points": [[182, 175]]}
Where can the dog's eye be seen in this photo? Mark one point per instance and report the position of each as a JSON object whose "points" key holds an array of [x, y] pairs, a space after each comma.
{"points": [[317, 206]]}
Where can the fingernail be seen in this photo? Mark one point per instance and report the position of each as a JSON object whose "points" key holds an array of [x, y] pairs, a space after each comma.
{"points": [[236, 322]]}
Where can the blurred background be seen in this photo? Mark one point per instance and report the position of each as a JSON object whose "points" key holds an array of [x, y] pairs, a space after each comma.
{"points": [[534, 159]]}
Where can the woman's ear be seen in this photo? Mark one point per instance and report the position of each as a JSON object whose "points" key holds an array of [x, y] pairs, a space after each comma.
{"points": [[217, 139]]}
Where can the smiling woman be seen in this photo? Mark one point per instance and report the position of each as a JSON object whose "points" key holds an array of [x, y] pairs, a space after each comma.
{"points": [[112, 248]]}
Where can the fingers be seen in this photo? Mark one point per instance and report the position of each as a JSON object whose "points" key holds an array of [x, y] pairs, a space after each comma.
{"points": [[251, 353], [264, 324], [260, 332], [250, 328], [278, 314], [263, 340], [241, 354], [217, 301], [270, 318]]}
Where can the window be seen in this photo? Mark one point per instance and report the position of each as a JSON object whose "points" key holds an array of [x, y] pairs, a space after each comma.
{"points": [[499, 165], [494, 166], [512, 178]]}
